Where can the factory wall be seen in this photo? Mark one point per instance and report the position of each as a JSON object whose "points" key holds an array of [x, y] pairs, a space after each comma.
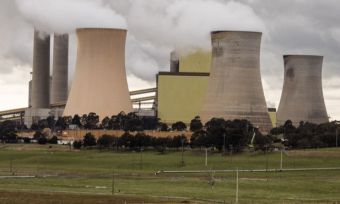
{"points": [[180, 95], [199, 61]]}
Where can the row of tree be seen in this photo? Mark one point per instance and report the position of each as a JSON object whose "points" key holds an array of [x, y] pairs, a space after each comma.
{"points": [[128, 141], [219, 134], [309, 135], [127, 122]]}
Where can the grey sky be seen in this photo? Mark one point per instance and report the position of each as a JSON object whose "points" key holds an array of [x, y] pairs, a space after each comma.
{"points": [[158, 26]]}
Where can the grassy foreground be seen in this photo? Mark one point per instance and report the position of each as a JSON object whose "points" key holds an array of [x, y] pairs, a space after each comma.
{"points": [[59, 175]]}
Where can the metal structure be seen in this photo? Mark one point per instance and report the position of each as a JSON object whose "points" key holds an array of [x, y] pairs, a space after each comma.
{"points": [[302, 96], [17, 114], [59, 89], [235, 88], [41, 71]]}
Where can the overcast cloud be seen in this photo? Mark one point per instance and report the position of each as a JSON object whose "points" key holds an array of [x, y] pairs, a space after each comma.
{"points": [[158, 26]]}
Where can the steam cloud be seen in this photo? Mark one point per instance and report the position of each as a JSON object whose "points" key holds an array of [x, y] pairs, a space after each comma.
{"points": [[64, 16], [155, 27]]}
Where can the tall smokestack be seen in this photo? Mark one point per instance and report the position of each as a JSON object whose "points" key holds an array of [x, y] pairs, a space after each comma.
{"points": [[100, 83], [302, 96], [41, 71], [235, 88], [60, 69], [174, 62]]}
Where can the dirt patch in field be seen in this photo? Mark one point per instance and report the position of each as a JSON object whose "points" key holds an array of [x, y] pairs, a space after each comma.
{"points": [[21, 197], [314, 153]]}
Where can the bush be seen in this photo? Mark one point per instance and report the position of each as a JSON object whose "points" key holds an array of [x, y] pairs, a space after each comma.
{"points": [[89, 140], [77, 144], [106, 141], [27, 140], [37, 135], [53, 140], [42, 140], [179, 126]]}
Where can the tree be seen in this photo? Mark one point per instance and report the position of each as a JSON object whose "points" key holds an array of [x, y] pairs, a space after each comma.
{"points": [[37, 135], [106, 141], [77, 144], [196, 124], [262, 142], [200, 139], [142, 140], [162, 127], [126, 140], [76, 120], [106, 123], [53, 140], [178, 141], [89, 140], [92, 121], [8, 132], [42, 140], [179, 126]]}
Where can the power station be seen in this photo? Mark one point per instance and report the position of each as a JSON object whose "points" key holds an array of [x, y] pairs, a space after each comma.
{"points": [[222, 83], [302, 96], [100, 83], [235, 87]]}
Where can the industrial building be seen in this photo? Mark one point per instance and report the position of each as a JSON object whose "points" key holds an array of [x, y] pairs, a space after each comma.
{"points": [[302, 95], [232, 90], [224, 82]]}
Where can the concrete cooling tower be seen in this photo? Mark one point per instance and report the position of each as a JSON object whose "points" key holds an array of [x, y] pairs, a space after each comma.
{"points": [[41, 71], [235, 87], [60, 69], [100, 83], [302, 95]]}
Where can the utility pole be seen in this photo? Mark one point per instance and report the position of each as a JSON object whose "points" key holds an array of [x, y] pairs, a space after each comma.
{"points": [[236, 200], [141, 159], [281, 163], [206, 156], [223, 144], [182, 162], [113, 182], [336, 137], [11, 166]]}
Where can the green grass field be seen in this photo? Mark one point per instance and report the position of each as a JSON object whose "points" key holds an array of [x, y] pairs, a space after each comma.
{"points": [[87, 175]]}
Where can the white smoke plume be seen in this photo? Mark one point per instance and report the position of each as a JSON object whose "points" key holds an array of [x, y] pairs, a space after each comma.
{"points": [[155, 27], [64, 16]]}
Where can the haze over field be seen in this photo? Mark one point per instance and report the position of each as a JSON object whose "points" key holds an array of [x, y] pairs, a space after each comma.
{"points": [[157, 27]]}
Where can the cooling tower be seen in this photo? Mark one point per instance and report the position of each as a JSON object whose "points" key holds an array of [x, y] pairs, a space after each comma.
{"points": [[60, 69], [41, 71], [235, 87], [100, 83], [302, 95]]}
